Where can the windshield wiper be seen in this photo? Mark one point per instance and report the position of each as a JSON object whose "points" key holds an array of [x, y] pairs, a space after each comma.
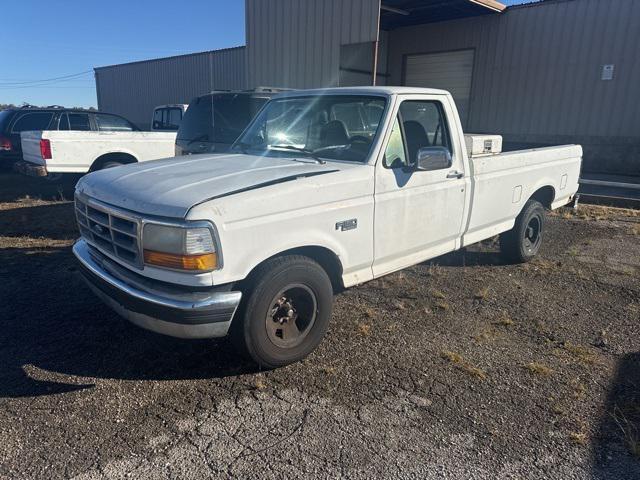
{"points": [[243, 146], [306, 151]]}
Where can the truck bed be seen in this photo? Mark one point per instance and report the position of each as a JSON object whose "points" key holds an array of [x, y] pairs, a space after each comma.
{"points": [[75, 152], [503, 183]]}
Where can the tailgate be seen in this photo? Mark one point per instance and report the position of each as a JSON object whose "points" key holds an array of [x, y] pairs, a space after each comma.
{"points": [[31, 147]]}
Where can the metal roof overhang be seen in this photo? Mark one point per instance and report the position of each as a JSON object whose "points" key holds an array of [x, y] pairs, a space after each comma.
{"points": [[403, 13]]}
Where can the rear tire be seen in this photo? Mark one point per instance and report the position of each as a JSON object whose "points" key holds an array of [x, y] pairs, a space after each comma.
{"points": [[106, 165], [285, 313], [522, 243]]}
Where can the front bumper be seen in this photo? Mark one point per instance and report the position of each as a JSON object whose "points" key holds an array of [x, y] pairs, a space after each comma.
{"points": [[153, 305], [30, 169]]}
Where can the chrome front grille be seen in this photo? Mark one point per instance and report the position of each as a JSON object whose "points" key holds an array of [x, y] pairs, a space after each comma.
{"points": [[109, 230]]}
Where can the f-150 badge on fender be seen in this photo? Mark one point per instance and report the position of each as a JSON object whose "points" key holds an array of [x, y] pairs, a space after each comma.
{"points": [[347, 225]]}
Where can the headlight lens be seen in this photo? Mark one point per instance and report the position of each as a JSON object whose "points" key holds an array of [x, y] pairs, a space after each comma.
{"points": [[180, 248]]}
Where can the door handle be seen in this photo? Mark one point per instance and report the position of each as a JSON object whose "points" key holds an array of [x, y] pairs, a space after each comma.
{"points": [[455, 174]]}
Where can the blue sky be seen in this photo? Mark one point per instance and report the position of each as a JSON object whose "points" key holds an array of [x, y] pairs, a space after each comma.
{"points": [[45, 39]]}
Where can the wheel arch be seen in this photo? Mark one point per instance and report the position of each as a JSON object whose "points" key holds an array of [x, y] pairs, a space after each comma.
{"points": [[326, 258], [122, 157], [545, 195]]}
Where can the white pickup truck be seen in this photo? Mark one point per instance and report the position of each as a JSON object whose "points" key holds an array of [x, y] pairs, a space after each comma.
{"points": [[82, 142], [324, 190]]}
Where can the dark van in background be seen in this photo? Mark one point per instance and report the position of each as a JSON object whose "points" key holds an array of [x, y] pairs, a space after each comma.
{"points": [[215, 120]]}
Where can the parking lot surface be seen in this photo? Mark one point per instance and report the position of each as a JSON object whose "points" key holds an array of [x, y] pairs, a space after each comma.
{"points": [[462, 367]]}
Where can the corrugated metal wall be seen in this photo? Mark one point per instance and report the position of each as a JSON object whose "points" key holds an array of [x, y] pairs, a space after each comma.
{"points": [[134, 89], [537, 74], [296, 43]]}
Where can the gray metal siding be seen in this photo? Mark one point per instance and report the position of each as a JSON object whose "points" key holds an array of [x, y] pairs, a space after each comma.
{"points": [[296, 43], [133, 90], [537, 72]]}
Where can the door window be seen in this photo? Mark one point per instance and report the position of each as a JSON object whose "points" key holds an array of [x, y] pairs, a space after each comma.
{"points": [[79, 122], [395, 155], [32, 121], [425, 125], [112, 123]]}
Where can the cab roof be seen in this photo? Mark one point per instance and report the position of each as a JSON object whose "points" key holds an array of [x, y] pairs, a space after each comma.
{"points": [[384, 91]]}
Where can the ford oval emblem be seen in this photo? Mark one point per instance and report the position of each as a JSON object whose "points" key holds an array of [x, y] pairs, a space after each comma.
{"points": [[99, 229]]}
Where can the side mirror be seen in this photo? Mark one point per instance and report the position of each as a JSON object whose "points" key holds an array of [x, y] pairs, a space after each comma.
{"points": [[433, 158]]}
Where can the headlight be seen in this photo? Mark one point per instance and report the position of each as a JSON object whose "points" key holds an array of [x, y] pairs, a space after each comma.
{"points": [[180, 248]]}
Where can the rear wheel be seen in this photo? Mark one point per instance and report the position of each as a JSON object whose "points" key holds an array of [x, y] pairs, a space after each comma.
{"points": [[110, 164], [523, 241], [285, 313]]}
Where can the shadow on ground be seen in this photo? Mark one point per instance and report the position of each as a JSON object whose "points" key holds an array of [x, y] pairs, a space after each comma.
{"points": [[15, 187], [616, 448], [53, 326]]}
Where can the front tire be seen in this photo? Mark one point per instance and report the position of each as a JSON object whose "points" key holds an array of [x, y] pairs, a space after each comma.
{"points": [[286, 312], [522, 243]]}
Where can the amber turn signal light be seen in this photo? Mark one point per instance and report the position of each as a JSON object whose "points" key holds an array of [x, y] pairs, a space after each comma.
{"points": [[203, 263]]}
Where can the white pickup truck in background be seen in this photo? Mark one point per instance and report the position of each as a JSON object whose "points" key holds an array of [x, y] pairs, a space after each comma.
{"points": [[324, 190], [167, 118], [53, 152], [102, 141]]}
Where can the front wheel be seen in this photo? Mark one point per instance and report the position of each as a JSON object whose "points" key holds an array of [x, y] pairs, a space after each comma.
{"points": [[286, 311], [522, 243]]}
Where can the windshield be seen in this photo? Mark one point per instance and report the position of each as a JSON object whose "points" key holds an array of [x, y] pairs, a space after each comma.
{"points": [[218, 118], [335, 127]]}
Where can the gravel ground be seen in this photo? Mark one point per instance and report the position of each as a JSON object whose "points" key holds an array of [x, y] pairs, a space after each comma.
{"points": [[463, 367]]}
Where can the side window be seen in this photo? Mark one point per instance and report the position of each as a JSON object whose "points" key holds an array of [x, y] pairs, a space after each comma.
{"points": [[111, 123], [175, 117], [394, 155], [63, 122], [79, 122], [32, 121], [425, 125], [167, 119]]}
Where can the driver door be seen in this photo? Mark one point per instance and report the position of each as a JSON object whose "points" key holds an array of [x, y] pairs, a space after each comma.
{"points": [[418, 214]]}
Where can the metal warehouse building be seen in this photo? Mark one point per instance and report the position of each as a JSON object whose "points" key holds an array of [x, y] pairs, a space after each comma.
{"points": [[550, 72]]}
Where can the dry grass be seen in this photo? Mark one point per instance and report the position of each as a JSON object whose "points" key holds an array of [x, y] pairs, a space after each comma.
{"points": [[579, 438], [328, 370], [505, 320], [438, 294], [260, 383], [482, 294], [368, 311], [538, 369], [579, 389], [444, 306], [461, 364], [364, 329], [630, 429], [541, 265], [435, 270], [583, 354], [635, 229], [573, 251]]}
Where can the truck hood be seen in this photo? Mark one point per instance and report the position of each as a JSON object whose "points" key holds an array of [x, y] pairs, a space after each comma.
{"points": [[171, 187]]}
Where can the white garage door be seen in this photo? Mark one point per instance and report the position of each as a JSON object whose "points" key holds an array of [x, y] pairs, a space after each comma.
{"points": [[450, 71]]}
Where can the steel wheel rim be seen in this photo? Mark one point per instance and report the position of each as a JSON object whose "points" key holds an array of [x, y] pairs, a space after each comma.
{"points": [[533, 234], [291, 315]]}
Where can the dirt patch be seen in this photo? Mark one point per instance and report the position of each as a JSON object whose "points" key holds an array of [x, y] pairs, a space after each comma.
{"points": [[461, 367]]}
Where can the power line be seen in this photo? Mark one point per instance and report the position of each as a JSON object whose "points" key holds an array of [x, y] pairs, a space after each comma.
{"points": [[47, 80]]}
